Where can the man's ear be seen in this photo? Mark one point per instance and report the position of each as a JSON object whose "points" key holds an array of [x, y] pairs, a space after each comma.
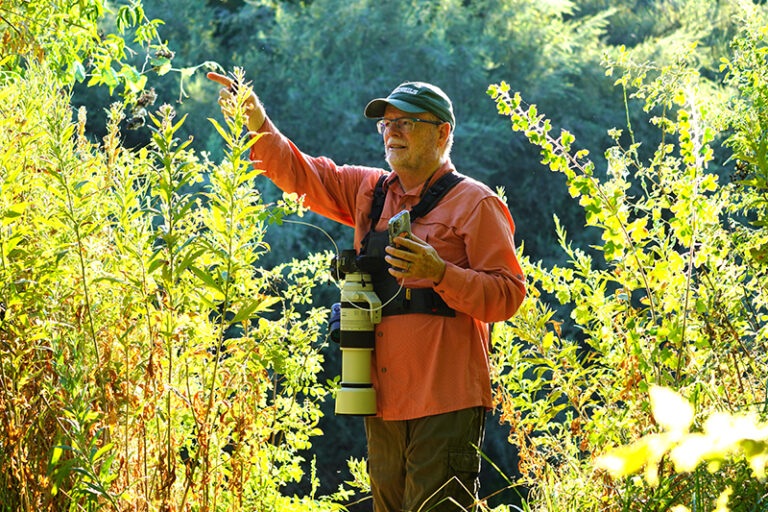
{"points": [[445, 132]]}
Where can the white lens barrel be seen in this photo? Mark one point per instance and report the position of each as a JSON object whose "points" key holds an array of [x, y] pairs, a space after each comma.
{"points": [[356, 366], [356, 402], [360, 311]]}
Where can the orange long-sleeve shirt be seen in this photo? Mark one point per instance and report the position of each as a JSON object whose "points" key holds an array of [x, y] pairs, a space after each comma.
{"points": [[422, 364]]}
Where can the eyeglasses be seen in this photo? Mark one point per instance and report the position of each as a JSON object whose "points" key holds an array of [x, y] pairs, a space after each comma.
{"points": [[403, 124]]}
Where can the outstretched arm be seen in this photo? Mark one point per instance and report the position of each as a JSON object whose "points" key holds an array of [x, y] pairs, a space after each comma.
{"points": [[329, 190]]}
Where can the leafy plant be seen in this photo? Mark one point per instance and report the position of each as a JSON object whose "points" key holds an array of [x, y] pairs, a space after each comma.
{"points": [[146, 360], [723, 436], [672, 296], [31, 31]]}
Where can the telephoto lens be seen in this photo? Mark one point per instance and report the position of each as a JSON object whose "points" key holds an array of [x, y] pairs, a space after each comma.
{"points": [[360, 311]]}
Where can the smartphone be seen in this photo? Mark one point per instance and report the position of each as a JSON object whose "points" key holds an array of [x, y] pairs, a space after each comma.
{"points": [[398, 225]]}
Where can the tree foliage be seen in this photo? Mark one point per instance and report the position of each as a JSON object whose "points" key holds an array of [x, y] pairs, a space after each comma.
{"points": [[66, 38]]}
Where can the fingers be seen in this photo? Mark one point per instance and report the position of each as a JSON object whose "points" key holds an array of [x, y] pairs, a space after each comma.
{"points": [[220, 79], [225, 102], [402, 263], [229, 85], [400, 253], [410, 242], [416, 239], [224, 94], [415, 259], [400, 268]]}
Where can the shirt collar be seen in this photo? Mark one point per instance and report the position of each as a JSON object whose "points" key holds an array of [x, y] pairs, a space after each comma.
{"points": [[441, 171]]}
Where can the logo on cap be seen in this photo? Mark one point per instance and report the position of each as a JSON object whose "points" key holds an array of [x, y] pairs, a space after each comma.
{"points": [[407, 90]]}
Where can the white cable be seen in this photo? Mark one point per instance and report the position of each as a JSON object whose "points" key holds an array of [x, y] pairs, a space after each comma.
{"points": [[371, 310], [336, 247]]}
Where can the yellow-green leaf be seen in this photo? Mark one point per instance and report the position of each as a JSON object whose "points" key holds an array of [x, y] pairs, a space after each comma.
{"points": [[671, 411]]}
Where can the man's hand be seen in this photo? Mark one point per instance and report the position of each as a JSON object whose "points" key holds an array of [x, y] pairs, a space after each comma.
{"points": [[415, 259], [253, 108]]}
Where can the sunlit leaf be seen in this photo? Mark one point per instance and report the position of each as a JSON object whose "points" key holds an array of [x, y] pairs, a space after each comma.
{"points": [[625, 460], [671, 411], [687, 455]]}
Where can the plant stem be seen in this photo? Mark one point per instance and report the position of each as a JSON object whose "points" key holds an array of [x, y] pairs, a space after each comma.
{"points": [[697, 165]]}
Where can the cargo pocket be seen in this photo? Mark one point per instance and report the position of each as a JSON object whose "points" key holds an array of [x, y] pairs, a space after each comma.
{"points": [[465, 462], [465, 466]]}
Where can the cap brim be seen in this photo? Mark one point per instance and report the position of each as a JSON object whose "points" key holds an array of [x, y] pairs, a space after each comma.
{"points": [[375, 109]]}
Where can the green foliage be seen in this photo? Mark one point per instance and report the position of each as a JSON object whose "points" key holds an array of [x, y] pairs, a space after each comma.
{"points": [[146, 360], [89, 461], [32, 31], [723, 436], [671, 297]]}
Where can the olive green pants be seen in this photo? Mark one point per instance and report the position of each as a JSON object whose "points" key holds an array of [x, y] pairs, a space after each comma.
{"points": [[426, 464]]}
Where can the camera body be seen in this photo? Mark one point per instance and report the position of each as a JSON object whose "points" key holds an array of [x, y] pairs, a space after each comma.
{"points": [[347, 262]]}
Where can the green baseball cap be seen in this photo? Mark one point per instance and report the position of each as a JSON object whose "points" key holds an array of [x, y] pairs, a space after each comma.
{"points": [[414, 97]]}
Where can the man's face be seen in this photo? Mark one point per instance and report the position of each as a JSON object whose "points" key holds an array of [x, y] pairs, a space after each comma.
{"points": [[417, 152]]}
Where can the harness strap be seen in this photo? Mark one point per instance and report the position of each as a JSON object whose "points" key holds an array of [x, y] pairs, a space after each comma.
{"points": [[435, 193], [379, 195], [424, 300], [428, 201]]}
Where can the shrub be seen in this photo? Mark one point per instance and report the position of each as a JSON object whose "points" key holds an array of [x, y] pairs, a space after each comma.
{"points": [[147, 362], [672, 298]]}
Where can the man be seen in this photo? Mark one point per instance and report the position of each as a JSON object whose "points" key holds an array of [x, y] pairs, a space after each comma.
{"points": [[459, 270]]}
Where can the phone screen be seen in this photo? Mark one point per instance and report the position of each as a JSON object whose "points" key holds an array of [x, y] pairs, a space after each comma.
{"points": [[399, 224]]}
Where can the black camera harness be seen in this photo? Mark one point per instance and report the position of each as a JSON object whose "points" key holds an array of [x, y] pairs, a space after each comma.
{"points": [[408, 300]]}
